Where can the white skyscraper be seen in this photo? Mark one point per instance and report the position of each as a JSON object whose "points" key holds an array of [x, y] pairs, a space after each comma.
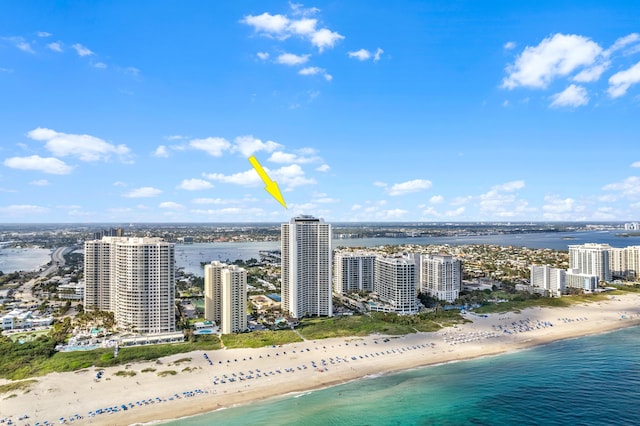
{"points": [[395, 283], [353, 271], [135, 279], [306, 267], [225, 295], [592, 259], [625, 262], [441, 277]]}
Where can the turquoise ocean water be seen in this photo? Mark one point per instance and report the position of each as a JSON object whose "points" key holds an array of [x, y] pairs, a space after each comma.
{"points": [[592, 380]]}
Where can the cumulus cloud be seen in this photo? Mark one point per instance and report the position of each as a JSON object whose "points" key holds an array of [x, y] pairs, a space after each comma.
{"points": [[635, 164], [85, 147], [43, 34], [621, 81], [629, 187], [292, 59], [246, 178], [161, 151], [263, 55], [364, 54], [572, 96], [555, 56], [213, 146], [248, 145], [436, 199], [509, 45], [195, 185], [281, 27], [560, 209], [323, 168], [289, 158], [316, 71], [49, 165], [55, 46], [288, 177], [39, 182], [143, 192], [82, 50], [408, 187]]}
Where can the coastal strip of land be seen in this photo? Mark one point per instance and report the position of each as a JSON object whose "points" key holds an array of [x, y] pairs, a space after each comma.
{"points": [[203, 381]]}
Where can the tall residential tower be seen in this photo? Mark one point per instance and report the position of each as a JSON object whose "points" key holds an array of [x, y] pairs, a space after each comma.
{"points": [[225, 296], [306, 267]]}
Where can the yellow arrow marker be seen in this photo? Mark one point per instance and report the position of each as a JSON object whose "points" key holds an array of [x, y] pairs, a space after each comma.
{"points": [[271, 185]]}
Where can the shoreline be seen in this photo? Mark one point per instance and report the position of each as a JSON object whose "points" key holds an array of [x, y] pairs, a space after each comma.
{"points": [[286, 371]]}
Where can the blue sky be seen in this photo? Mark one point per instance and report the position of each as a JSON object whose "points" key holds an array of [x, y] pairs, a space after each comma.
{"points": [[434, 111]]}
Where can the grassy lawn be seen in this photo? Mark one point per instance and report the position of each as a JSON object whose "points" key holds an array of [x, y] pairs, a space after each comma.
{"points": [[543, 302], [24, 386], [344, 326], [258, 339], [28, 336]]}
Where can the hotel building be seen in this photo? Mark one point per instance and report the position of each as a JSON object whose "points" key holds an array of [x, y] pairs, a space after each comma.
{"points": [[306, 267], [135, 279], [552, 280], [225, 296], [441, 277]]}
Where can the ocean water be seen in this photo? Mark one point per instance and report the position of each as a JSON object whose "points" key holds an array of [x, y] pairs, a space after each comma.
{"points": [[189, 256], [592, 380]]}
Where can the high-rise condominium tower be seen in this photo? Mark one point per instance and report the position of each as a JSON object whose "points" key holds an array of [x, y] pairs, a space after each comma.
{"points": [[306, 267], [441, 277], [225, 296], [135, 279], [592, 259], [395, 283], [353, 271]]}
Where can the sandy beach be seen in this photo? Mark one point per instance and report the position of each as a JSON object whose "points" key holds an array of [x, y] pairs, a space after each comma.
{"points": [[207, 380]]}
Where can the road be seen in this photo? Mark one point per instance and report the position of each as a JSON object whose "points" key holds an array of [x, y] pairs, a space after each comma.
{"points": [[57, 261]]}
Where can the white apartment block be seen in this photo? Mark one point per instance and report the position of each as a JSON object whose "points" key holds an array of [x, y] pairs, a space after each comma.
{"points": [[225, 295], [135, 279], [395, 284], [632, 226], [441, 276], [553, 280], [306, 267], [625, 262], [591, 259], [353, 271], [586, 282]]}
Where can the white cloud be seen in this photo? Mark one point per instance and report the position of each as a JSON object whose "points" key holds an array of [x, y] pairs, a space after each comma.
{"points": [[247, 178], [263, 55], [635, 164], [85, 147], [459, 201], [364, 54], [291, 176], [39, 182], [455, 213], [323, 168], [288, 158], [170, 205], [593, 73], [176, 137], [572, 96], [560, 209], [218, 201], [509, 45], [621, 81], [292, 59], [119, 184], [282, 27], [248, 145], [267, 24], [195, 185], [408, 187], [630, 187], [436, 199], [144, 192], [20, 43], [20, 210], [161, 151], [49, 165], [315, 71], [555, 56], [509, 186], [82, 50], [361, 55], [325, 38], [212, 146], [623, 42], [43, 34], [56, 46], [100, 65]]}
